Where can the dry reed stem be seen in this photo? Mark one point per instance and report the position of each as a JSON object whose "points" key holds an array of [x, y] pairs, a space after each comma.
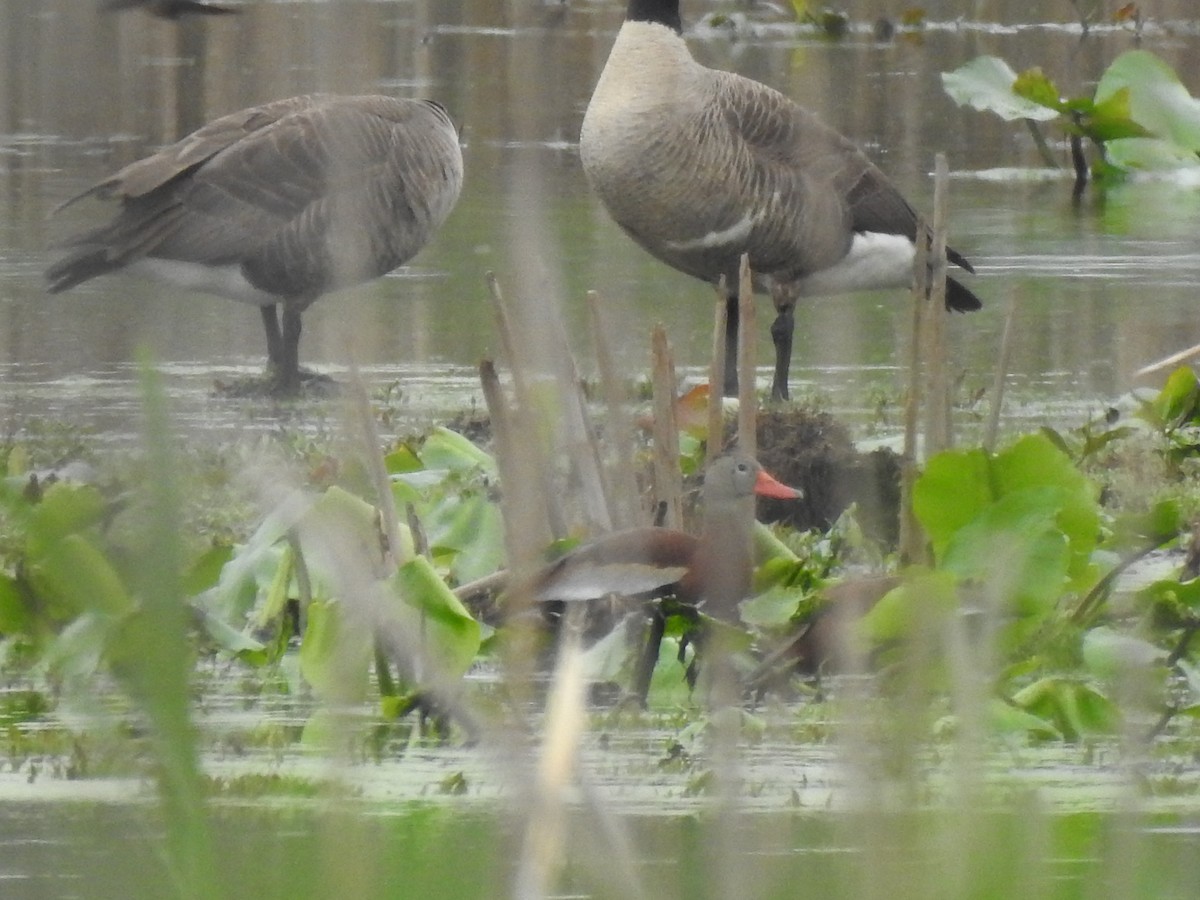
{"points": [[747, 361], [937, 404], [372, 453], [715, 443], [668, 488], [622, 481], [911, 541], [1001, 377]]}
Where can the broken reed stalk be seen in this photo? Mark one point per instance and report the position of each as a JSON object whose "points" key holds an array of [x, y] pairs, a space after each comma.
{"points": [[522, 421], [911, 540], [372, 451], [668, 488], [747, 439], [938, 435], [622, 480], [1175, 359], [1005, 356], [715, 443], [524, 530], [582, 447]]}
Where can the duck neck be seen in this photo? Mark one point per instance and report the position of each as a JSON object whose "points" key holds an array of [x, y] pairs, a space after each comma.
{"points": [[661, 12], [726, 557]]}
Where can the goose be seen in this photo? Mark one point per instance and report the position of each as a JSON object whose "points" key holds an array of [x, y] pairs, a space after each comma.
{"points": [[699, 166], [170, 9], [277, 205], [710, 571]]}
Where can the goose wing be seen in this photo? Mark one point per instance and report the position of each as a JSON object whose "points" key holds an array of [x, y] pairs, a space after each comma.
{"points": [[635, 562], [305, 195]]}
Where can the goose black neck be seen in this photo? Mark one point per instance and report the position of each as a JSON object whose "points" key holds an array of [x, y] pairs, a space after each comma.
{"points": [[662, 12]]}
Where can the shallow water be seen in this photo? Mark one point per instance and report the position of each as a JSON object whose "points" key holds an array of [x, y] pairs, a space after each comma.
{"points": [[1103, 287]]}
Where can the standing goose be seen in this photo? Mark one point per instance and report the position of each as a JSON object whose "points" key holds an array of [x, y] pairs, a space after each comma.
{"points": [[699, 166], [277, 205]]}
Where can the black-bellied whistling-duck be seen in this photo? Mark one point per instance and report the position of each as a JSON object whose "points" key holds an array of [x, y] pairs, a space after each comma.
{"points": [[700, 166], [279, 204], [711, 571]]}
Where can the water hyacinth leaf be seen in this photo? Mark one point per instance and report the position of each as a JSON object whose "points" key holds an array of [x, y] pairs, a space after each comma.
{"points": [[1033, 462], [1110, 120], [275, 600], [335, 655], [1005, 718], [77, 652], [1074, 707], [1109, 654], [453, 635], [1015, 552], [1158, 100], [986, 83], [953, 490]]}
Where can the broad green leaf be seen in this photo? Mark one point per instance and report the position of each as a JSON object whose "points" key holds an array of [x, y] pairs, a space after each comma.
{"points": [[335, 655], [925, 599], [986, 83], [14, 616], [1176, 402], [1033, 85], [1158, 101], [205, 571], [446, 449], [1076, 708], [772, 609], [452, 636], [402, 460], [470, 524], [1146, 154], [1005, 718], [64, 509], [1035, 462], [953, 490], [79, 576], [1014, 551]]}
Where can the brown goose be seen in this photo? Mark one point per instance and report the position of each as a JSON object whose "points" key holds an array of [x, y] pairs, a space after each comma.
{"points": [[699, 166], [277, 205]]}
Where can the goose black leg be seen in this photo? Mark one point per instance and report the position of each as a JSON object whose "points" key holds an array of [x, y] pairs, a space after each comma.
{"points": [[781, 335], [274, 341], [731, 346], [288, 370]]}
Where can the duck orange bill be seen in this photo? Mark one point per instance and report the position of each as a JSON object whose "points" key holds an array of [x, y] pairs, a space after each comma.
{"points": [[766, 486]]}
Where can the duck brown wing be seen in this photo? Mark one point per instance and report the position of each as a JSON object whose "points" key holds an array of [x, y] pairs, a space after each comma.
{"points": [[636, 562]]}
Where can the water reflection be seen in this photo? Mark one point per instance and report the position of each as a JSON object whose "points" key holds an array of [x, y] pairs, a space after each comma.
{"points": [[1102, 289]]}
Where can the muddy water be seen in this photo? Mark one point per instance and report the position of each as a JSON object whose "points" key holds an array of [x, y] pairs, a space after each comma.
{"points": [[1102, 288]]}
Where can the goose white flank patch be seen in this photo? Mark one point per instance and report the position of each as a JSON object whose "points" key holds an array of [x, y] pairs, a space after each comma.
{"points": [[278, 205], [700, 166]]}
